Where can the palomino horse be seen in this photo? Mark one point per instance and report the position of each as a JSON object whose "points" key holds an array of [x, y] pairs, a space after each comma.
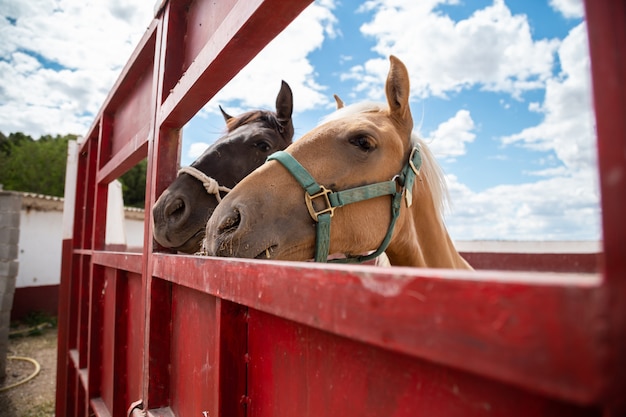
{"points": [[374, 174], [181, 212]]}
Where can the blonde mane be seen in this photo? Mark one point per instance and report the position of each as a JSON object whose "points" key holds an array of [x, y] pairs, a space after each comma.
{"points": [[430, 170]]}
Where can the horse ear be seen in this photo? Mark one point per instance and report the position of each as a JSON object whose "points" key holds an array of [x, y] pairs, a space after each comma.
{"points": [[397, 89], [284, 109], [339, 101], [227, 116], [284, 103]]}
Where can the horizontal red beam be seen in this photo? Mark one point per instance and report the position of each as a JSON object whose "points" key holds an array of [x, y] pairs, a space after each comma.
{"points": [[131, 153], [240, 37], [125, 261], [99, 408], [539, 262], [527, 329]]}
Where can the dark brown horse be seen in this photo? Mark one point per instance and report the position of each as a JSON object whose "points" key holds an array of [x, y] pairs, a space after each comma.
{"points": [[181, 212]]}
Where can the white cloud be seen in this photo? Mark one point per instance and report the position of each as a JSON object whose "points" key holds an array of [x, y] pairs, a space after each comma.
{"points": [[449, 139], [80, 35], [567, 126], [492, 49], [568, 8], [560, 208], [36, 100], [196, 149], [59, 59], [564, 203], [285, 58]]}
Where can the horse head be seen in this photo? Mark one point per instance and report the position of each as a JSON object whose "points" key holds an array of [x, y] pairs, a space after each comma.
{"points": [[363, 168], [181, 212]]}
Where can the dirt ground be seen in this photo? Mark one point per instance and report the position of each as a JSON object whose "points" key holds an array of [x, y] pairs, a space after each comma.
{"points": [[35, 398]]}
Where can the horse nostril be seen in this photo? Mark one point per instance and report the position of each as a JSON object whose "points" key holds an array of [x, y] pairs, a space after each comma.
{"points": [[175, 209], [230, 223]]}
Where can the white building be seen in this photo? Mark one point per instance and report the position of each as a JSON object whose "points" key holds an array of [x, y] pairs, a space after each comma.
{"points": [[40, 244]]}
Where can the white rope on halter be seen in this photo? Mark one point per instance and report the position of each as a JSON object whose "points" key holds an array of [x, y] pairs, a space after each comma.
{"points": [[210, 185]]}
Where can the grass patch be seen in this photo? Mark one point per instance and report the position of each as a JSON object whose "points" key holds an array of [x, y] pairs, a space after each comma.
{"points": [[33, 324]]}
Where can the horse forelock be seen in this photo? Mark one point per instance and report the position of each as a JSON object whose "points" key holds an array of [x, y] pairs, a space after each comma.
{"points": [[431, 170], [352, 109], [266, 118]]}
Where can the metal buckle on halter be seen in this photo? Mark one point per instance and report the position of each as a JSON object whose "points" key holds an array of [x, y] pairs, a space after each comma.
{"points": [[308, 198], [411, 164]]}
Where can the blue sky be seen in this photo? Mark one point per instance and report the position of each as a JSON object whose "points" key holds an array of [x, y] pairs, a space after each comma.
{"points": [[500, 92]]}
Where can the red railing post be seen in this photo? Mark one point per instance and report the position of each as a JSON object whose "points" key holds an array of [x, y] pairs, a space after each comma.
{"points": [[606, 26]]}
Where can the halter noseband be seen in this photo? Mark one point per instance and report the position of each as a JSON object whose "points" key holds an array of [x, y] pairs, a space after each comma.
{"points": [[210, 185], [401, 184]]}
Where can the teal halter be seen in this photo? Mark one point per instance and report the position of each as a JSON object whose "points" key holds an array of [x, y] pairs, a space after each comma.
{"points": [[401, 184]]}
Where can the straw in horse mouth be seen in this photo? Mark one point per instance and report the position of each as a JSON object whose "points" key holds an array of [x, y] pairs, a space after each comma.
{"points": [[267, 253]]}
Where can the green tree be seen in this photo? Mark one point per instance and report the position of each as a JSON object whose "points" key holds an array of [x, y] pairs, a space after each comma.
{"points": [[36, 166], [4, 143], [9, 143], [134, 185]]}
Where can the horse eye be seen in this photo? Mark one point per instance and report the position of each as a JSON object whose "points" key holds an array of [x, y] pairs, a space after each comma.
{"points": [[263, 146], [363, 143]]}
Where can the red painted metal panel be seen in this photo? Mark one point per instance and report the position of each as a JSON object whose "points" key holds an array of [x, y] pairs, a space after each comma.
{"points": [[99, 408], [132, 71], [65, 327], [131, 111], [96, 312], [44, 298], [162, 170], [173, 45], [85, 196], [81, 401], [194, 364], [233, 358], [203, 20], [525, 329], [83, 312], [111, 386], [79, 220], [119, 260], [131, 334], [540, 262], [306, 372], [606, 21], [133, 116]]}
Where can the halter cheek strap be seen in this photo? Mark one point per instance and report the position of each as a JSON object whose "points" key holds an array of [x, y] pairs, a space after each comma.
{"points": [[210, 185], [401, 184]]}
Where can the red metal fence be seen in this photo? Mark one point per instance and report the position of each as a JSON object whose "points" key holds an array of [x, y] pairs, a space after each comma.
{"points": [[190, 336]]}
